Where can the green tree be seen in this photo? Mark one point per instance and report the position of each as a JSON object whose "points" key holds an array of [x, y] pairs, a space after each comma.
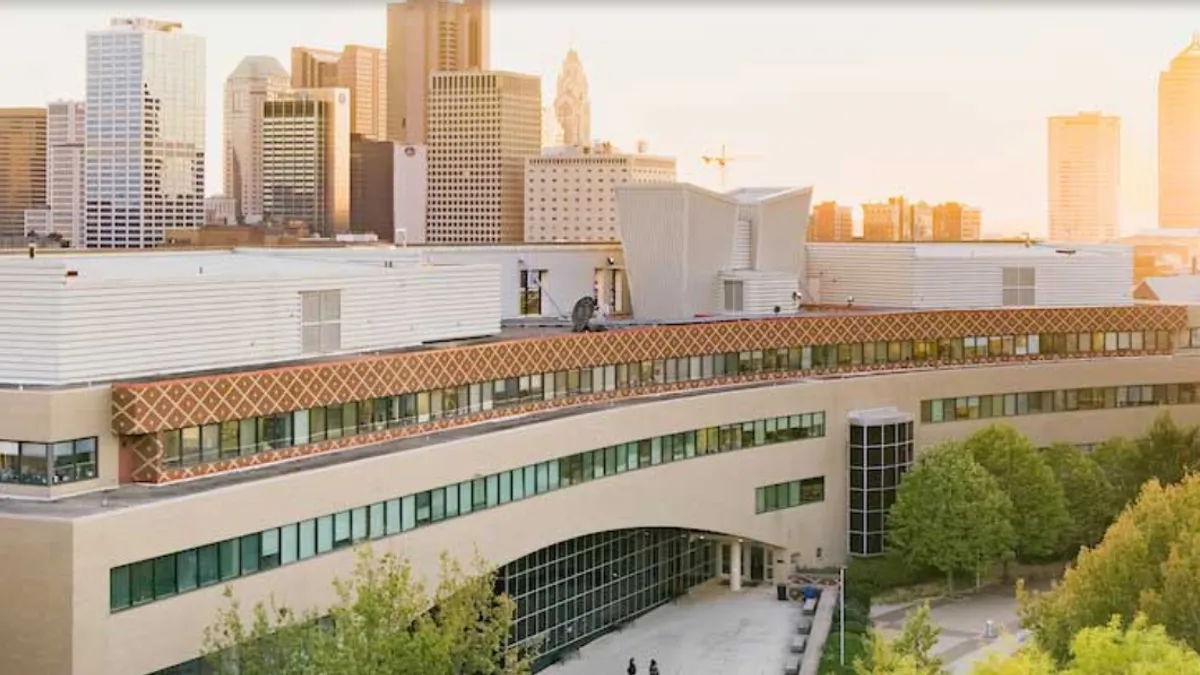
{"points": [[1039, 509], [383, 621], [1092, 502], [918, 639], [1140, 649], [1166, 452], [950, 514], [1119, 459], [1149, 561], [910, 653]]}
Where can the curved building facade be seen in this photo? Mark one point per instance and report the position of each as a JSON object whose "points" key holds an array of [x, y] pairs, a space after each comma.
{"points": [[605, 473]]}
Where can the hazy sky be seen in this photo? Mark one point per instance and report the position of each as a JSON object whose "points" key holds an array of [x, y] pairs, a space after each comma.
{"points": [[861, 100]]}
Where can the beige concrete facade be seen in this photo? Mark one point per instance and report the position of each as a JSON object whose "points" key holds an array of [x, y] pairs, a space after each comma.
{"points": [[57, 556]]}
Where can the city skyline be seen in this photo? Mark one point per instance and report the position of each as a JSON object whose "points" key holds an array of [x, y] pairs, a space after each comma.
{"points": [[974, 120]]}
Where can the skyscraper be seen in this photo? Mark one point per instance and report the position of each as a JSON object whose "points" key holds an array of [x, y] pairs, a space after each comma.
{"points": [[22, 168], [482, 126], [65, 127], [1084, 177], [255, 80], [144, 149], [360, 69], [1179, 140], [306, 160], [363, 70], [314, 68], [424, 37], [572, 107]]}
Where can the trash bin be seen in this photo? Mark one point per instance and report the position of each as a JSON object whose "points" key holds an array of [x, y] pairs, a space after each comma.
{"points": [[781, 592]]}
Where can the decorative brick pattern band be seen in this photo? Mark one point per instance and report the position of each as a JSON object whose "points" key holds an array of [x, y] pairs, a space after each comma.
{"points": [[140, 408], [147, 449]]}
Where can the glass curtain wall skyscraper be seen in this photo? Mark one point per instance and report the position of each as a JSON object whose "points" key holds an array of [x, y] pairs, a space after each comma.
{"points": [[144, 146]]}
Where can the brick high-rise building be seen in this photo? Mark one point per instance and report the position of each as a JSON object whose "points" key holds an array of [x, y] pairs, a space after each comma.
{"points": [[953, 221], [830, 222]]}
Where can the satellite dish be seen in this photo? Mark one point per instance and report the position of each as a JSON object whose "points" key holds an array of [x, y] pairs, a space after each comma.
{"points": [[582, 313]]}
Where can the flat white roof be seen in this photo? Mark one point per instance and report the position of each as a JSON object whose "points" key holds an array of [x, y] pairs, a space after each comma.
{"points": [[942, 250], [170, 266]]}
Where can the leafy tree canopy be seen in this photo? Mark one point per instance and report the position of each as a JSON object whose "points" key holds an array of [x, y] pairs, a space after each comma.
{"points": [[383, 621], [1148, 562], [1039, 508], [950, 514], [1092, 501]]}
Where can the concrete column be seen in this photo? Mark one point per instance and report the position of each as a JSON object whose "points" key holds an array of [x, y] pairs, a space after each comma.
{"points": [[735, 565]]}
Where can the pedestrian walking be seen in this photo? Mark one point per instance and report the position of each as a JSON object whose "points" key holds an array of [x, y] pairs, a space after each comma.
{"points": [[653, 667], [632, 669]]}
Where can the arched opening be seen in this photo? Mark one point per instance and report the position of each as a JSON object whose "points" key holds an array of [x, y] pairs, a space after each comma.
{"points": [[575, 591]]}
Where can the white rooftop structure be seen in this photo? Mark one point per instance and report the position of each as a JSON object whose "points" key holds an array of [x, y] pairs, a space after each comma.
{"points": [[1177, 290], [969, 275], [692, 252], [93, 318]]}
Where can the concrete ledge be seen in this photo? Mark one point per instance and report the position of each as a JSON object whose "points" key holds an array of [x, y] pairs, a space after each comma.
{"points": [[821, 628]]}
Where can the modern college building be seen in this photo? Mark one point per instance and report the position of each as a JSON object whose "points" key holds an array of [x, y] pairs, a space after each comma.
{"points": [[175, 423]]}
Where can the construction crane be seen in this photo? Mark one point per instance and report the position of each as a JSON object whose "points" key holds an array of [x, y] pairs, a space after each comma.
{"points": [[721, 161]]}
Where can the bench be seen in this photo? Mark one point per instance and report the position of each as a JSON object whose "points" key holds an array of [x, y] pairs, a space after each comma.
{"points": [[804, 627], [799, 643], [810, 606], [792, 666]]}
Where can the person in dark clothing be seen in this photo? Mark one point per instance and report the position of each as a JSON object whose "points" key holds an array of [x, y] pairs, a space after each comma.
{"points": [[653, 667], [632, 669]]}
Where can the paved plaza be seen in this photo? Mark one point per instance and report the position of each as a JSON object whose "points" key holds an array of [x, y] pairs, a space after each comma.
{"points": [[963, 621], [715, 632]]}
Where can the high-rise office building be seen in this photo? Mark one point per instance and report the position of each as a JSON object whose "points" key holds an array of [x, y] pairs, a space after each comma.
{"points": [[424, 37], [255, 80], [482, 127], [363, 70], [22, 169], [306, 160], [1084, 174], [953, 221], [63, 215], [830, 222], [314, 68], [1179, 140], [360, 69], [372, 186], [570, 192], [572, 108], [144, 147]]}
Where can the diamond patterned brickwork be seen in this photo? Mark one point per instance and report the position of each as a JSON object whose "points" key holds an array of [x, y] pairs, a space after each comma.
{"points": [[172, 404], [147, 448]]}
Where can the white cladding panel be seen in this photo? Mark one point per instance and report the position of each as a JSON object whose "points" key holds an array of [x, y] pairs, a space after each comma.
{"points": [[878, 275], [570, 271], [56, 329], [949, 276], [742, 245]]}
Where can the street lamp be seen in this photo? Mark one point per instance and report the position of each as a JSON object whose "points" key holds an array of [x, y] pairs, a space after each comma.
{"points": [[842, 615]]}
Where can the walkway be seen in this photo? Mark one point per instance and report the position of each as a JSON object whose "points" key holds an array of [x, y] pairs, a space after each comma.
{"points": [[962, 643], [710, 632]]}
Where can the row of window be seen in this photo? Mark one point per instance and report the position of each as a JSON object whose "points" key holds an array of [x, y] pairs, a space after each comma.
{"points": [[1061, 400], [48, 463], [169, 575], [786, 495], [233, 438]]}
